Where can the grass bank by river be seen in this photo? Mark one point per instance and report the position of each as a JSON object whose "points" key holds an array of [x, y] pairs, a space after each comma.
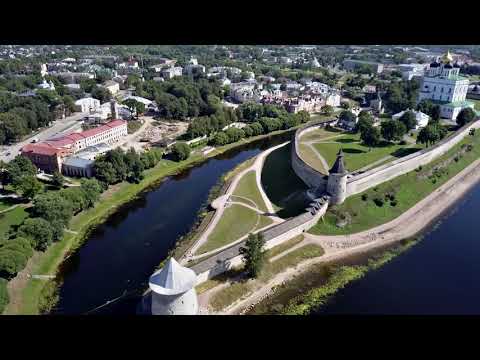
{"points": [[28, 292], [317, 285]]}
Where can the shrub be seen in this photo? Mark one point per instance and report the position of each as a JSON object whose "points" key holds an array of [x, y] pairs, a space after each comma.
{"points": [[403, 142], [180, 151], [469, 147], [11, 262], [393, 203], [365, 197], [4, 299], [38, 231], [378, 201], [419, 168], [456, 158]]}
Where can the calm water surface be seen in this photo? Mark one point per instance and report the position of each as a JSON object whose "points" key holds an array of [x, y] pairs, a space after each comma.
{"points": [[120, 255], [439, 275]]}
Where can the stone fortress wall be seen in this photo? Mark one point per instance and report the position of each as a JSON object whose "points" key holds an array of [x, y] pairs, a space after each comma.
{"points": [[373, 177], [310, 176]]}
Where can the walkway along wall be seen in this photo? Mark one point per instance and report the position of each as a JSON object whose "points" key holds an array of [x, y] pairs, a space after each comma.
{"points": [[273, 236]]}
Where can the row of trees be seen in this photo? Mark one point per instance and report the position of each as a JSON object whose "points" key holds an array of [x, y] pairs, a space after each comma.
{"points": [[117, 165], [206, 125]]}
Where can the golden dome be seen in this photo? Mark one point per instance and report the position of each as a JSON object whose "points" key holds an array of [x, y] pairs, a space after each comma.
{"points": [[447, 58]]}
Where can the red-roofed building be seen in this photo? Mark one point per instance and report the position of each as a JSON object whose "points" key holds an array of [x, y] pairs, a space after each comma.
{"points": [[48, 155]]}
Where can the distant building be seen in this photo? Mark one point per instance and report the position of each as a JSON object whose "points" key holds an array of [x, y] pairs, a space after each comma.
{"points": [[171, 72], [46, 85], [443, 85], [111, 86], [87, 104], [420, 117]]}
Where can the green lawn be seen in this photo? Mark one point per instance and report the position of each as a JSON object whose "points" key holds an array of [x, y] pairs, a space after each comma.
{"points": [[11, 218], [477, 103], [358, 155], [408, 190], [319, 134], [321, 117], [235, 222], [247, 187], [282, 186], [310, 156]]}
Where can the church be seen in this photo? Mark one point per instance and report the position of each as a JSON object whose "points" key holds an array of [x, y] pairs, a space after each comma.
{"points": [[443, 85]]}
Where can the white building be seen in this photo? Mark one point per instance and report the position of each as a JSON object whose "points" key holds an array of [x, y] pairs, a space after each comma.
{"points": [[112, 86], [333, 99], [171, 72], [315, 63], [173, 290], [87, 104], [46, 85], [420, 117], [443, 85]]}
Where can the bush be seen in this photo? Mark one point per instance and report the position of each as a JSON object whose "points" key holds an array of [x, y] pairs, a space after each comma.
{"points": [[4, 298], [403, 142], [365, 197], [378, 201], [11, 262], [393, 203], [180, 151], [38, 231]]}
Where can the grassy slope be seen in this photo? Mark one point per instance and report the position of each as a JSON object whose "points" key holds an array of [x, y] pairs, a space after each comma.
{"points": [[239, 289], [247, 187], [11, 218], [235, 222], [279, 181], [356, 154], [409, 190]]}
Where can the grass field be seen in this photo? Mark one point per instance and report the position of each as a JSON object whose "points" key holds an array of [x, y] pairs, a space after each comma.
{"points": [[321, 117], [282, 186], [408, 190], [319, 134], [235, 222], [357, 155], [11, 218], [247, 187], [477, 103]]}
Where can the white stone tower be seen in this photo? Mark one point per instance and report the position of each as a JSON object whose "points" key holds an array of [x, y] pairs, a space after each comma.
{"points": [[337, 181], [173, 290]]}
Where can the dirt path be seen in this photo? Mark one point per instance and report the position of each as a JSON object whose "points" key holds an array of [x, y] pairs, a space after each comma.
{"points": [[406, 225]]}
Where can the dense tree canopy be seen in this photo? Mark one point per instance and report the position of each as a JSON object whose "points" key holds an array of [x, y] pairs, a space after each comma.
{"points": [[465, 116], [393, 130]]}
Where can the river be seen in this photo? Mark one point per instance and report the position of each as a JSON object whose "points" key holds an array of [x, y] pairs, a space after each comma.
{"points": [[437, 276], [119, 255]]}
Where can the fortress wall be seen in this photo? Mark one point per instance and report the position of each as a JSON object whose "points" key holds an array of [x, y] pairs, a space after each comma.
{"points": [[378, 175], [224, 266], [309, 175]]}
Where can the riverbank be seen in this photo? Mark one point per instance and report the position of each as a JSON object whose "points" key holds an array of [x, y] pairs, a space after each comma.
{"points": [[27, 292], [408, 225]]}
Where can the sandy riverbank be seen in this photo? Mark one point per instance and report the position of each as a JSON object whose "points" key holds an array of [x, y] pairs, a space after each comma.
{"points": [[409, 224]]}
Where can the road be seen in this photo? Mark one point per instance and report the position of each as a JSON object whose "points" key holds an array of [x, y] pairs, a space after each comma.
{"points": [[69, 124]]}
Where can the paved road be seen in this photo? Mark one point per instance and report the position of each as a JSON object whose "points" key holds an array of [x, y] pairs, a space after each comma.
{"points": [[69, 124]]}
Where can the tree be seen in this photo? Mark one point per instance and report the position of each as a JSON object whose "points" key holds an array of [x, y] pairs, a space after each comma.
{"points": [[180, 151], [435, 112], [53, 207], [14, 255], [327, 110], [253, 254], [465, 116], [431, 133], [135, 107], [57, 179], [220, 139], [19, 167], [91, 191], [370, 135], [365, 119], [345, 105], [234, 134], [28, 186], [409, 120], [393, 130], [347, 116], [101, 94], [104, 171], [76, 197], [38, 231], [303, 116]]}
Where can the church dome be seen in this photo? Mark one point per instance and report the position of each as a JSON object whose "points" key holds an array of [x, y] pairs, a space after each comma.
{"points": [[447, 58], [448, 66], [434, 64], [456, 65]]}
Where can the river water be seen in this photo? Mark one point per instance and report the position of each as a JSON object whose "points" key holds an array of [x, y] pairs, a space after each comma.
{"points": [[438, 276], [121, 254]]}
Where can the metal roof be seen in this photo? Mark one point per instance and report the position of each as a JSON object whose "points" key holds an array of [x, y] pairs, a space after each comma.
{"points": [[172, 279]]}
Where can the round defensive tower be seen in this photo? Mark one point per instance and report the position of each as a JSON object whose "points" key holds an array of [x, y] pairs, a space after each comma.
{"points": [[173, 290], [337, 181]]}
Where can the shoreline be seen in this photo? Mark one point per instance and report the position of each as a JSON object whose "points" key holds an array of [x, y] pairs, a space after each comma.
{"points": [[421, 217], [50, 261]]}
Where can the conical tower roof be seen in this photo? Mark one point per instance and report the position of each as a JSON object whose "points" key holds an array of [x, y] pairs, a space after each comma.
{"points": [[447, 58], [172, 279], [338, 167]]}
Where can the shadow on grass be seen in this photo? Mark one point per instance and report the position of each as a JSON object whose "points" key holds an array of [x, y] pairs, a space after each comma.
{"points": [[404, 152], [352, 151], [346, 141]]}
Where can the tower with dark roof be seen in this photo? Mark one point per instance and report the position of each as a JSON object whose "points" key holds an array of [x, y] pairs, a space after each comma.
{"points": [[337, 180]]}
